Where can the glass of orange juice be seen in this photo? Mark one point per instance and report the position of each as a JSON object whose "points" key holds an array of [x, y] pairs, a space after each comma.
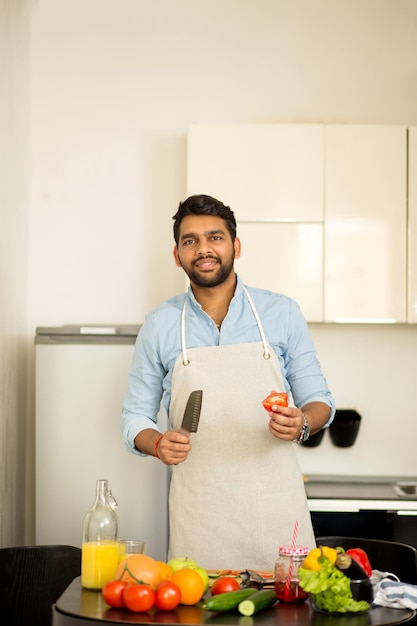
{"points": [[127, 547]]}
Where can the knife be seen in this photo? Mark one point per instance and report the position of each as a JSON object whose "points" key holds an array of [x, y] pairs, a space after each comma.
{"points": [[251, 578], [192, 412]]}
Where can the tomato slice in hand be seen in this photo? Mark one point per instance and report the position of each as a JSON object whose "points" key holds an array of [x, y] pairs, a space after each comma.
{"points": [[138, 598], [112, 593], [224, 584], [275, 398]]}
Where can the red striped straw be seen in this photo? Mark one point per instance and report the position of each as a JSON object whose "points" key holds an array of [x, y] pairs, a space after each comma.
{"points": [[293, 545]]}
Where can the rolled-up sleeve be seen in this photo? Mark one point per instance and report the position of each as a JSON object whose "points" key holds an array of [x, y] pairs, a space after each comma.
{"points": [[302, 367], [145, 388]]}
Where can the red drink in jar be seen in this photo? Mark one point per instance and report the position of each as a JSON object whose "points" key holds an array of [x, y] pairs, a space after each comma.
{"points": [[291, 593], [287, 585]]}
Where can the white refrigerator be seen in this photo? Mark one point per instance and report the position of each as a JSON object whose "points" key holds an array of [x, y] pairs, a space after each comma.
{"points": [[81, 379]]}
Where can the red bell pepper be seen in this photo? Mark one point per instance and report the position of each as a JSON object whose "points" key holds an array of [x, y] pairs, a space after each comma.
{"points": [[275, 398], [361, 557]]}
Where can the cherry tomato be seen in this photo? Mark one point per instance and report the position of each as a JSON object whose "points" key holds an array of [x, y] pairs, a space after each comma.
{"points": [[224, 584], [138, 598], [112, 593], [167, 596], [275, 398]]}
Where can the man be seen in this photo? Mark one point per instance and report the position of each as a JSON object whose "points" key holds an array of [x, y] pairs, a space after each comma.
{"points": [[236, 487]]}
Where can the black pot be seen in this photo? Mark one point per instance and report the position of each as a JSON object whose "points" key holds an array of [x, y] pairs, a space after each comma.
{"points": [[362, 590], [360, 583], [314, 440], [345, 427]]}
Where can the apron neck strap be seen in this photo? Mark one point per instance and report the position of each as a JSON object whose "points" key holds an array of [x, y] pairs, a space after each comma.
{"points": [[267, 354], [185, 360]]}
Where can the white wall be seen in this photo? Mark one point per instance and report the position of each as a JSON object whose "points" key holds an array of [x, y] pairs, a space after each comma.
{"points": [[371, 368], [114, 85], [14, 177]]}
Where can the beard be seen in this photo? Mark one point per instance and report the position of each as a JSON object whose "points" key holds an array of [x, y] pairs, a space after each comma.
{"points": [[214, 278]]}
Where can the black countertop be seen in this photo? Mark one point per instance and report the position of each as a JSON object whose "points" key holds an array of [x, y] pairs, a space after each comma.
{"points": [[78, 607]]}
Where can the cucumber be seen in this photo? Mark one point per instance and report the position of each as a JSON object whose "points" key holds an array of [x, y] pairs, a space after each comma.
{"points": [[262, 599], [227, 601]]}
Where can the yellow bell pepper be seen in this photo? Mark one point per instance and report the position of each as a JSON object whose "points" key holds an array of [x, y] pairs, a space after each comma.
{"points": [[330, 553], [314, 557], [312, 560]]}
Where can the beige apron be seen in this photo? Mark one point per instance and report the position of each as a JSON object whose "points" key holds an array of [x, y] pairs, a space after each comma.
{"points": [[236, 498]]}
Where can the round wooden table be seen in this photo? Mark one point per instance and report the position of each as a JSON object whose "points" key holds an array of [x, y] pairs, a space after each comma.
{"points": [[78, 607]]}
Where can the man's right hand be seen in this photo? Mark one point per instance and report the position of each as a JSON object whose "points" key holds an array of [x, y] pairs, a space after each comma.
{"points": [[174, 447]]}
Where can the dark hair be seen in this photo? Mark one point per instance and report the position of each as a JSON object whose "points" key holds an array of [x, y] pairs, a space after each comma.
{"points": [[204, 205]]}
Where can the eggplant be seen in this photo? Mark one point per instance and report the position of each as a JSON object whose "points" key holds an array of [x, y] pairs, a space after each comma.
{"points": [[360, 583]]}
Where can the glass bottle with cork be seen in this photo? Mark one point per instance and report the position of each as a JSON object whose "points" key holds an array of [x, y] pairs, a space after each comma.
{"points": [[99, 552]]}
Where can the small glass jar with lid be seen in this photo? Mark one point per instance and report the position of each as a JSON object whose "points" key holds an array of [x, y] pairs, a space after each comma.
{"points": [[287, 585]]}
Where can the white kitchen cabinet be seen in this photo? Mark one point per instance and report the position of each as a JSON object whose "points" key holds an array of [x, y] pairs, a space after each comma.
{"points": [[412, 225], [286, 258], [262, 171], [365, 223], [345, 186]]}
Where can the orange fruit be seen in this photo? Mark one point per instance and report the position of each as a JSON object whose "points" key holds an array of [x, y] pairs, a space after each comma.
{"points": [[140, 568], [190, 583], [166, 570]]}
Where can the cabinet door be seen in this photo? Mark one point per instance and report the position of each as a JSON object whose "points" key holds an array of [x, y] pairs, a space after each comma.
{"points": [[365, 223], [412, 225], [262, 171], [286, 258]]}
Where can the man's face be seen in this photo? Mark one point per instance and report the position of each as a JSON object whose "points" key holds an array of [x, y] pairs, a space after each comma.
{"points": [[205, 250]]}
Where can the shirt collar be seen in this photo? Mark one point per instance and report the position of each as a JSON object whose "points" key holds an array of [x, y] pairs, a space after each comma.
{"points": [[239, 293]]}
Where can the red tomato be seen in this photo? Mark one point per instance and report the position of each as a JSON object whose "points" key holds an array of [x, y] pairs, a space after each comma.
{"points": [[138, 598], [275, 398], [112, 593], [224, 584], [167, 596]]}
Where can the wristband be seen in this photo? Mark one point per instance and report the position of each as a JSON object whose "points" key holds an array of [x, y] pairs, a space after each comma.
{"points": [[155, 449]]}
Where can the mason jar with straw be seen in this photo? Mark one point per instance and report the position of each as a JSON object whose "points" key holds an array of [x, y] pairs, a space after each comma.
{"points": [[290, 558]]}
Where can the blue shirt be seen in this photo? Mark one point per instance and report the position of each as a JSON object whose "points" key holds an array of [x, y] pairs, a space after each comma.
{"points": [[158, 346]]}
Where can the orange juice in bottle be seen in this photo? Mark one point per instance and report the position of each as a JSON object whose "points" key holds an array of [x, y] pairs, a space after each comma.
{"points": [[99, 563], [99, 553]]}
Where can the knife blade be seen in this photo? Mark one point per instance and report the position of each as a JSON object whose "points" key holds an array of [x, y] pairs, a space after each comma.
{"points": [[251, 578], [192, 412]]}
